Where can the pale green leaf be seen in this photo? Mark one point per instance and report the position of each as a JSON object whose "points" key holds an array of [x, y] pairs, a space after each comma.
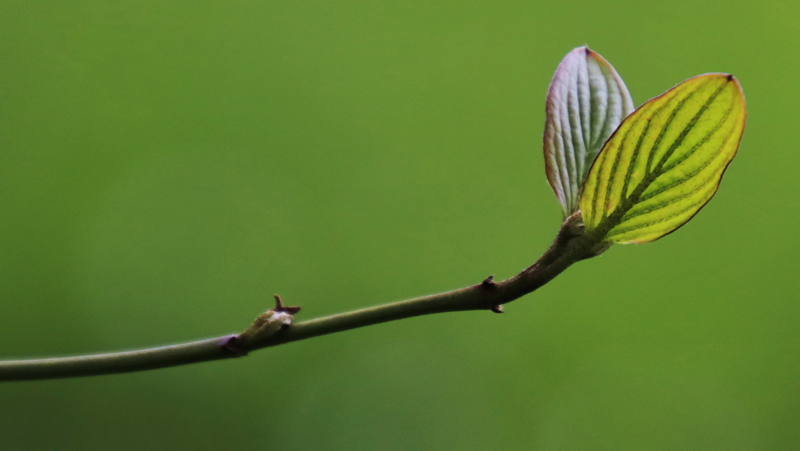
{"points": [[586, 102], [665, 161]]}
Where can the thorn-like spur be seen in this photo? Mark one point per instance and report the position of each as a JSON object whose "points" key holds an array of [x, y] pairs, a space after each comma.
{"points": [[280, 307], [489, 284]]}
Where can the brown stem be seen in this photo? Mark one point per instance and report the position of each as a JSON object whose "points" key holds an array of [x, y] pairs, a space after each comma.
{"points": [[569, 247]]}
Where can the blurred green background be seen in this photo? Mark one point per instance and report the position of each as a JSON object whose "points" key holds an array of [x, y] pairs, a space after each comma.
{"points": [[165, 167]]}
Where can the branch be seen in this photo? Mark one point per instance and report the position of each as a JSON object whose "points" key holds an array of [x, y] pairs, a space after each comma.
{"points": [[570, 246]]}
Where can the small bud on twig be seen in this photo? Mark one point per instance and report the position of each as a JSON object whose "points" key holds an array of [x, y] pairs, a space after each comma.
{"points": [[267, 324]]}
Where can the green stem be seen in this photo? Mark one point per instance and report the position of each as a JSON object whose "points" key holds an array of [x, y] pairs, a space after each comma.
{"points": [[566, 250]]}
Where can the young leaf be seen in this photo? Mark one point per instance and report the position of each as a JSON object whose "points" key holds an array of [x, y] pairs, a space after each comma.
{"points": [[586, 102], [665, 161]]}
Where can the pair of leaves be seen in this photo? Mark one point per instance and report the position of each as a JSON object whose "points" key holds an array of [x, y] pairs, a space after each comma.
{"points": [[640, 177]]}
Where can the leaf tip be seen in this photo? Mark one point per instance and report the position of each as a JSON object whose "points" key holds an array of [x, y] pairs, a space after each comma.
{"points": [[723, 75], [736, 83], [730, 79]]}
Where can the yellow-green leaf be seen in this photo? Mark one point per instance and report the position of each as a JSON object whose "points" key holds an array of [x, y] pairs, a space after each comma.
{"points": [[665, 161]]}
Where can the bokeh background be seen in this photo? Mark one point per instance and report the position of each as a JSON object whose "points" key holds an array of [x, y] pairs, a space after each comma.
{"points": [[165, 167]]}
